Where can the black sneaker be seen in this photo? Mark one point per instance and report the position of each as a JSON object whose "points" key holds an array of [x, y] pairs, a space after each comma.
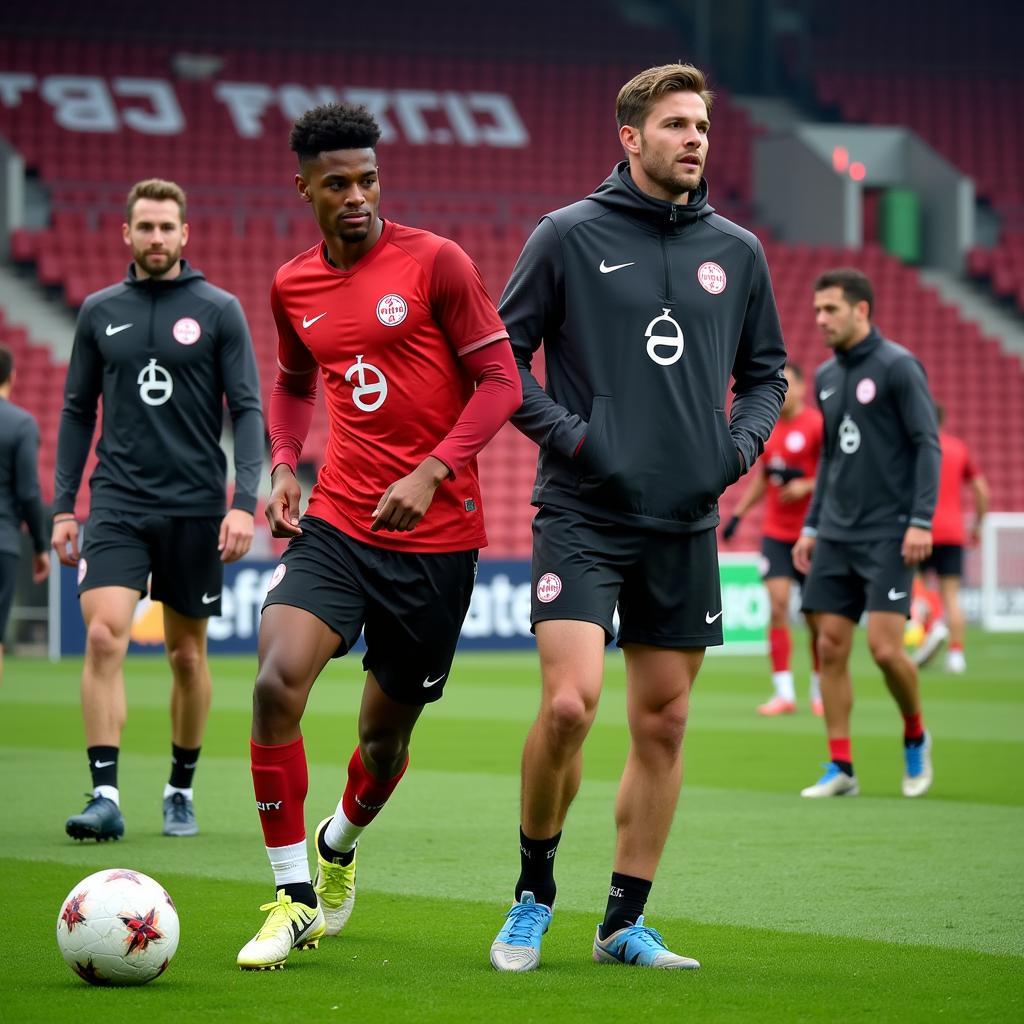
{"points": [[100, 820]]}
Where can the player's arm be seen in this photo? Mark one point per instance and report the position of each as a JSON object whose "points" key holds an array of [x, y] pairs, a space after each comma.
{"points": [[82, 388], [242, 390], [26, 496], [751, 496], [533, 308], [917, 412], [980, 494], [803, 549], [759, 382], [290, 415]]}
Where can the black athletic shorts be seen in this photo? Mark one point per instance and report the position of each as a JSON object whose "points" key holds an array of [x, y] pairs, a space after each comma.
{"points": [[122, 549], [666, 585], [846, 578], [777, 561], [945, 560], [8, 579], [410, 607]]}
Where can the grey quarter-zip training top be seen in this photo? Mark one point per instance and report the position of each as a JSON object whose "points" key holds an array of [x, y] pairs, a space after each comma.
{"points": [[645, 308], [163, 355], [19, 480]]}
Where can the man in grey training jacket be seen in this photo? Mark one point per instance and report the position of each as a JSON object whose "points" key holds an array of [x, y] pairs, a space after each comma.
{"points": [[646, 302], [164, 349], [870, 522], [19, 494]]}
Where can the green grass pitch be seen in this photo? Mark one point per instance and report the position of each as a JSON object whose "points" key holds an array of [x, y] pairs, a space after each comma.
{"points": [[872, 909]]}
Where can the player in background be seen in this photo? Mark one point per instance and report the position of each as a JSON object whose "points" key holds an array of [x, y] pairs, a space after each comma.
{"points": [[163, 348], [947, 558], [418, 376], [869, 524], [646, 302], [19, 494], [785, 479]]}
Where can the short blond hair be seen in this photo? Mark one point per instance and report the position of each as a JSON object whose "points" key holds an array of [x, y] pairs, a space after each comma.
{"points": [[639, 94], [154, 188]]}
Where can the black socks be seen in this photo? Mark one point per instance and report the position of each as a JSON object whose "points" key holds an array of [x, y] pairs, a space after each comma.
{"points": [[626, 898], [103, 766], [537, 868]]}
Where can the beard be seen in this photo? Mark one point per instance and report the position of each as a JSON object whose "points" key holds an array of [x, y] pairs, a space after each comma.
{"points": [[158, 266], [674, 178]]}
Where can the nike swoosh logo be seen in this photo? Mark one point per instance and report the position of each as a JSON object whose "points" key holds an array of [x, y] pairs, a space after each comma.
{"points": [[895, 595], [112, 330], [308, 322], [618, 266], [103, 764], [826, 393], [209, 600], [709, 618], [298, 931], [430, 682]]}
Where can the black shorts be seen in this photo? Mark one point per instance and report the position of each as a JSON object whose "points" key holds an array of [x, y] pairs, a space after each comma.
{"points": [[777, 558], [8, 580], [945, 560], [410, 607], [122, 549], [846, 578], [666, 585]]}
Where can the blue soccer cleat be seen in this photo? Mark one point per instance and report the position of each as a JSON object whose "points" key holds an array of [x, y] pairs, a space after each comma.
{"points": [[917, 778], [639, 946], [835, 782], [517, 947]]}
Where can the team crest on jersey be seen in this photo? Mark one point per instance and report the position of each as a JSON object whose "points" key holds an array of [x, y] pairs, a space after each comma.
{"points": [[664, 339], [392, 310], [849, 436], [155, 384], [549, 586], [712, 278], [795, 441], [277, 575], [372, 387], [186, 331], [866, 390]]}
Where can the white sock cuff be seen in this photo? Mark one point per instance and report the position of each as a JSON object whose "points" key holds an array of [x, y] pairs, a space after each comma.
{"points": [[110, 792], [289, 863], [783, 683], [341, 834], [170, 790]]}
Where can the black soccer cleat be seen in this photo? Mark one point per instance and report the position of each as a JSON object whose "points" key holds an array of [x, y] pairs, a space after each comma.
{"points": [[100, 820]]}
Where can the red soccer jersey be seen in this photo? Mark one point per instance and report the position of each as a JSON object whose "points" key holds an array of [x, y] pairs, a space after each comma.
{"points": [[957, 469], [387, 336], [794, 444]]}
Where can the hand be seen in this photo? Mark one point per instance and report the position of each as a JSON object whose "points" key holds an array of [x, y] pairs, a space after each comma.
{"points": [[236, 530], [730, 528], [917, 545], [406, 501], [974, 537], [40, 566], [65, 541], [283, 507], [803, 552], [795, 490]]}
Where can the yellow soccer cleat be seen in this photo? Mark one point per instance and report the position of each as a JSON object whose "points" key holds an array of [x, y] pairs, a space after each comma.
{"points": [[335, 887], [289, 926]]}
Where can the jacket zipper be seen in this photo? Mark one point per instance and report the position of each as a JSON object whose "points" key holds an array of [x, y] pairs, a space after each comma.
{"points": [[665, 262]]}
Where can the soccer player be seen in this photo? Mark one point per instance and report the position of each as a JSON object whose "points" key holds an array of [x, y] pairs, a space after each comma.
{"points": [[418, 376], [19, 494], [949, 538], [786, 480], [869, 524], [164, 348], [645, 301]]}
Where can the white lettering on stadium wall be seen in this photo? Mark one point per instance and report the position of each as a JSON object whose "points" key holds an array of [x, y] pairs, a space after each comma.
{"points": [[420, 117]]}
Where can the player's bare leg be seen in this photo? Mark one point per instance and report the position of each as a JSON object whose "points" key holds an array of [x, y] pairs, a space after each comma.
{"points": [[572, 670], [658, 685], [191, 693], [294, 647], [885, 639], [949, 587], [783, 701], [817, 705], [107, 612], [835, 641]]}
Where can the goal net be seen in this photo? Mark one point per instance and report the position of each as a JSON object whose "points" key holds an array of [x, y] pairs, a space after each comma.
{"points": [[1002, 572]]}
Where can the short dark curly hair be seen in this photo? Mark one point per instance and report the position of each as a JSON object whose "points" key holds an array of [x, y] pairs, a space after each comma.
{"points": [[333, 126]]}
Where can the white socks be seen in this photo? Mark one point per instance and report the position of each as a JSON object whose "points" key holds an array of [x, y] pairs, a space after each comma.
{"points": [[815, 686], [110, 792], [783, 683], [290, 863], [170, 790], [341, 834]]}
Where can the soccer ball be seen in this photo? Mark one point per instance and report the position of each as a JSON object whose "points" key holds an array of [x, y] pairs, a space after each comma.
{"points": [[118, 927]]}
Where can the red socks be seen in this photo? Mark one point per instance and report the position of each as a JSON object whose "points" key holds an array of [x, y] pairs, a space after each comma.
{"points": [[913, 727], [365, 794], [780, 646], [280, 780], [839, 750]]}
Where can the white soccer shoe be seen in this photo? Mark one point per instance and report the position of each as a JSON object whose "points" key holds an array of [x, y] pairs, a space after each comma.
{"points": [[917, 779], [930, 646], [956, 662], [335, 887], [289, 926], [834, 782]]}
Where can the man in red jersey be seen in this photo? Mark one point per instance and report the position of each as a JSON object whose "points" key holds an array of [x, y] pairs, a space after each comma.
{"points": [[418, 376], [950, 538], [786, 481]]}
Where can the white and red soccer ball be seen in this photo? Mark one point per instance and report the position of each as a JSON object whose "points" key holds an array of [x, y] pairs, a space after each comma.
{"points": [[118, 927]]}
